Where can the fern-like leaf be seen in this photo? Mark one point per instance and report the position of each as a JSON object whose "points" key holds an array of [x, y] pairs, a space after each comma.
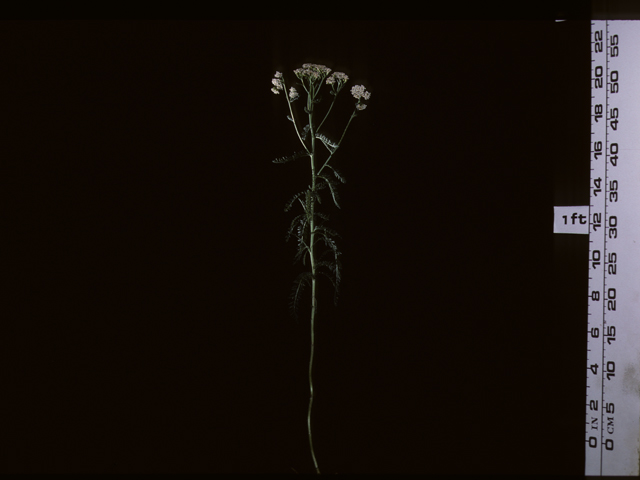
{"points": [[331, 146], [321, 215], [295, 156], [307, 200], [333, 275], [303, 248], [337, 174], [329, 265], [337, 267], [327, 231], [302, 218], [330, 242], [288, 205], [305, 132], [296, 292], [333, 187]]}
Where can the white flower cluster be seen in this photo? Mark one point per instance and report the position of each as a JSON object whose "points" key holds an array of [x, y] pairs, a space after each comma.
{"points": [[358, 92], [277, 82], [339, 76], [312, 71]]}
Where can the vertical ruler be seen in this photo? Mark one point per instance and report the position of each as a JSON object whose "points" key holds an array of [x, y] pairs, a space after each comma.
{"points": [[612, 430]]}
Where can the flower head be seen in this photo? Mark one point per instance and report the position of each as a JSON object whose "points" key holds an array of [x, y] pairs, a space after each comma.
{"points": [[312, 71], [320, 69], [293, 94], [361, 106], [339, 76], [277, 83], [358, 92]]}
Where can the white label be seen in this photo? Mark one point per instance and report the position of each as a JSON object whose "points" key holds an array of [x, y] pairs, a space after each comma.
{"points": [[571, 219]]}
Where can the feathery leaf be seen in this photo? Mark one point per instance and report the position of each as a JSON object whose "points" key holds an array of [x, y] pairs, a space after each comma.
{"points": [[321, 215], [296, 292], [331, 146], [332, 186], [287, 206], [295, 156], [302, 218], [315, 195], [327, 231], [337, 174], [303, 248]]}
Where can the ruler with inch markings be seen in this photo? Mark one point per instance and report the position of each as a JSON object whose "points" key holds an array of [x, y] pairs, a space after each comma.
{"points": [[612, 426]]}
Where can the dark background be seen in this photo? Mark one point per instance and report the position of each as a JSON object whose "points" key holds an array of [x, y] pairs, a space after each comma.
{"points": [[147, 325]]}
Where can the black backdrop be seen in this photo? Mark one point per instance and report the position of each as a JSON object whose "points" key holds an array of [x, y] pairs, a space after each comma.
{"points": [[146, 327]]}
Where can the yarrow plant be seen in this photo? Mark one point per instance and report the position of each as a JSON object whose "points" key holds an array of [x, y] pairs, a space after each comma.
{"points": [[309, 226]]}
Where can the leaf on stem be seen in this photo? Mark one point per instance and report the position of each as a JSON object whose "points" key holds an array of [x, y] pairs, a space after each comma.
{"points": [[331, 183], [296, 293], [334, 270], [288, 205], [335, 264], [315, 195], [326, 231], [331, 146], [305, 132], [295, 156], [321, 215], [337, 174], [302, 246], [300, 219]]}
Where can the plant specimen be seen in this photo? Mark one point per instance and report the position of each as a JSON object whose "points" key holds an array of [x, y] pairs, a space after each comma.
{"points": [[309, 227]]}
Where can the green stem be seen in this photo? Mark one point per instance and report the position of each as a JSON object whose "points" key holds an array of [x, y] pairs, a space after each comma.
{"points": [[313, 311], [345, 131], [292, 117], [328, 111], [345, 128], [313, 275]]}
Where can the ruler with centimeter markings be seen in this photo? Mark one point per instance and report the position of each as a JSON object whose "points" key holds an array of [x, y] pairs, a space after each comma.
{"points": [[612, 426]]}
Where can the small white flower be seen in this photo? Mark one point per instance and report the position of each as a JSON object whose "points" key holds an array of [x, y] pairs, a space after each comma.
{"points": [[275, 90], [312, 71], [277, 82], [361, 106], [341, 77], [293, 94], [320, 69], [358, 91], [305, 73], [278, 75]]}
